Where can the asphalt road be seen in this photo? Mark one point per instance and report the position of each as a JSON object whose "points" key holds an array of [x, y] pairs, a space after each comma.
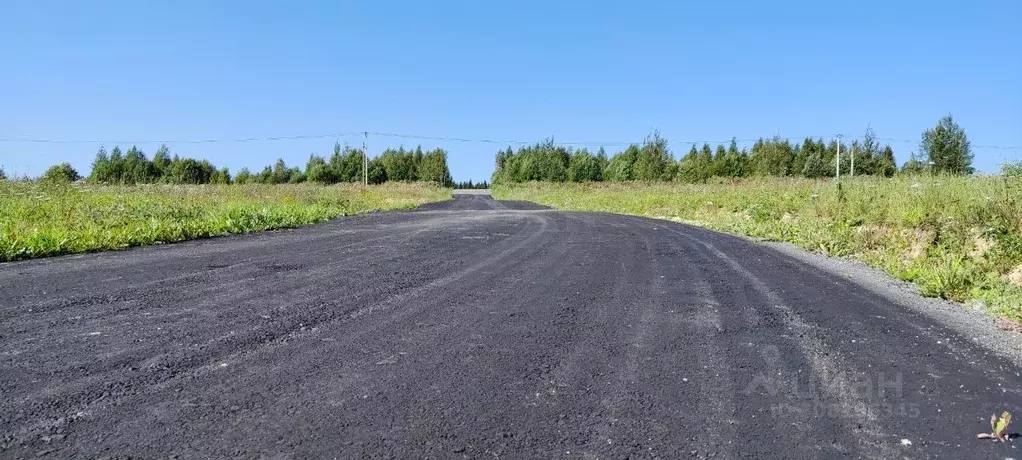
{"points": [[480, 329]]}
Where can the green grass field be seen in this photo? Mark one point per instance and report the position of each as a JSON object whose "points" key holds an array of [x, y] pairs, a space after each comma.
{"points": [[39, 220], [958, 238]]}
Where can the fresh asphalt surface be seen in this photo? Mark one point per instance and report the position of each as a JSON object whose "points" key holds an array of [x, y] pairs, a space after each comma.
{"points": [[481, 329]]}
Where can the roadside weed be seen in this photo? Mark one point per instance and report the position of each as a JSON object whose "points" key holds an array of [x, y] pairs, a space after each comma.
{"points": [[44, 219]]}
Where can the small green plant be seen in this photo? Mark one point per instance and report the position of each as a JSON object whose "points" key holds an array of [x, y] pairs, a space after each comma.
{"points": [[949, 278], [999, 427]]}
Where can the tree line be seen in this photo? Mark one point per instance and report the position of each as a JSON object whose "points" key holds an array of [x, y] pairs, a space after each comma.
{"points": [[344, 165], [944, 149], [469, 185], [653, 161], [133, 167]]}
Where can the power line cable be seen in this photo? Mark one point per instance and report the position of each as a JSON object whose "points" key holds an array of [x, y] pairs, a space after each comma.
{"points": [[498, 142], [179, 141], [337, 136], [979, 146]]}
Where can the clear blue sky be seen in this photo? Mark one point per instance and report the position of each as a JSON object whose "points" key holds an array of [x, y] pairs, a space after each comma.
{"points": [[523, 70]]}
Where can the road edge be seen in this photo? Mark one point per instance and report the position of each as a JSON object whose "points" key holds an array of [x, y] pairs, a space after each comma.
{"points": [[971, 323]]}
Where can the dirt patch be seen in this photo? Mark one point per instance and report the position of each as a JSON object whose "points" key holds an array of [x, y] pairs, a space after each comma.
{"points": [[1015, 276], [980, 244], [1008, 324], [917, 241]]}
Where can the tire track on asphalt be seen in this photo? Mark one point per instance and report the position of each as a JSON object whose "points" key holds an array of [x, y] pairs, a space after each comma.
{"points": [[702, 318], [192, 365], [616, 331], [773, 416], [365, 337], [666, 329], [244, 284], [648, 361], [317, 235], [444, 419], [826, 366], [907, 368], [207, 272]]}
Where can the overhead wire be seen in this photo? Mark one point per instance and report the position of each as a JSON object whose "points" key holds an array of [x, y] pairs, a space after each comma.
{"points": [[340, 135]]}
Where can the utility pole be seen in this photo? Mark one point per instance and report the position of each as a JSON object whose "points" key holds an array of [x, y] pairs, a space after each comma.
{"points": [[365, 159], [853, 161], [837, 163]]}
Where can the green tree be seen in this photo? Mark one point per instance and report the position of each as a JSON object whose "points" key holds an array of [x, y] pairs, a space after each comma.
{"points": [[884, 164], [317, 170], [947, 148], [191, 171], [544, 161], [719, 155], [416, 161], [531, 165], [3, 175], [706, 157], [555, 162], [830, 158], [584, 167], [814, 167], [243, 176], [137, 168], [295, 175], [433, 168], [223, 176], [61, 173], [619, 168], [914, 165], [773, 157], [265, 176], [869, 155], [281, 174], [696, 165], [377, 172], [601, 158], [503, 172], [162, 161], [116, 168], [799, 158], [400, 165], [652, 159], [826, 154], [671, 171], [100, 167], [733, 163], [1008, 169], [346, 164]]}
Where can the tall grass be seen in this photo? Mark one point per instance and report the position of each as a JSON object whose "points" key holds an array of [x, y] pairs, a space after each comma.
{"points": [[40, 219], [956, 237]]}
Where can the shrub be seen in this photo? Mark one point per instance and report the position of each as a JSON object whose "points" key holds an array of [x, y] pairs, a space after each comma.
{"points": [[61, 173], [1012, 169]]}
